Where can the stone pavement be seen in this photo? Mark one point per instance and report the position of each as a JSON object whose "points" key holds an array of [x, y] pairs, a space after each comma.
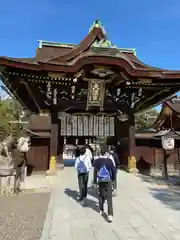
{"points": [[139, 215], [38, 181]]}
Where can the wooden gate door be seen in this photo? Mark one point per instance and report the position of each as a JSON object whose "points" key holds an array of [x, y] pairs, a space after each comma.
{"points": [[38, 156]]}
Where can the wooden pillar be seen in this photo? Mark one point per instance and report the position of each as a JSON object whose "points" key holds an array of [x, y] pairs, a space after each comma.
{"points": [[53, 143], [60, 149], [117, 130], [131, 144], [121, 132], [165, 170], [60, 160]]}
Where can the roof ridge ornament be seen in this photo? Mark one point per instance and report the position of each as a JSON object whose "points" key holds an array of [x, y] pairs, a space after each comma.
{"points": [[97, 24], [103, 43]]}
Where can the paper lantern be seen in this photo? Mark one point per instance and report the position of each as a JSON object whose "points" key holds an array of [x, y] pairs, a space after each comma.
{"points": [[23, 144], [167, 143]]}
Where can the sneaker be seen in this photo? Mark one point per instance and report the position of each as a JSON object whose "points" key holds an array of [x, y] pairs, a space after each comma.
{"points": [[78, 199], [101, 212], [85, 201], [114, 193], [109, 218]]}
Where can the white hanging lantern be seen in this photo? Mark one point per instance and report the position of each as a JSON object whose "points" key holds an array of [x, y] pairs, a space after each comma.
{"points": [[167, 142], [23, 144], [77, 141]]}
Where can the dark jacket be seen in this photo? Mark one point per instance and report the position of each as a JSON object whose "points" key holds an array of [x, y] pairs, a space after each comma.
{"points": [[100, 162], [116, 158], [77, 152]]}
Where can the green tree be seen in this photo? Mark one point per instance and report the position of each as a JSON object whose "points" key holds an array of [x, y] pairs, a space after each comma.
{"points": [[10, 111], [4, 116]]}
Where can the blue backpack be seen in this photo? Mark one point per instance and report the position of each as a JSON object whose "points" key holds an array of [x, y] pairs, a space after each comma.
{"points": [[82, 167], [104, 175]]}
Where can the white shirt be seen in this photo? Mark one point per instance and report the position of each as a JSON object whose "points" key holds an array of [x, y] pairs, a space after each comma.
{"points": [[88, 153], [85, 159]]}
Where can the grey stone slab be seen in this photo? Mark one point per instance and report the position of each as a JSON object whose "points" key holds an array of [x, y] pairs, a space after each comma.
{"points": [[124, 232], [63, 212], [82, 230], [61, 231], [137, 214], [49, 215], [137, 221], [139, 238], [104, 231], [175, 236], [154, 238], [174, 227], [147, 231]]}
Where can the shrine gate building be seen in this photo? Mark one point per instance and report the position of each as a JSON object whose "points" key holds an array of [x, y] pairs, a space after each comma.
{"points": [[81, 92]]}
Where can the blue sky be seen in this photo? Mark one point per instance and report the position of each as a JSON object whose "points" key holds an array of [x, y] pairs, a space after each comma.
{"points": [[152, 27]]}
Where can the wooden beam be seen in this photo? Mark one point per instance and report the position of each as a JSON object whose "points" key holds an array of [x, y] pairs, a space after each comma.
{"points": [[150, 98], [66, 105], [123, 78], [32, 95]]}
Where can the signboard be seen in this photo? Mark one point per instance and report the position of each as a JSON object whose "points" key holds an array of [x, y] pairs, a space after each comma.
{"points": [[96, 90]]}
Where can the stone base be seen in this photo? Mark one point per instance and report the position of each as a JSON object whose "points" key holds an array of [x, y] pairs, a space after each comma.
{"points": [[133, 170], [60, 166], [7, 185], [51, 172]]}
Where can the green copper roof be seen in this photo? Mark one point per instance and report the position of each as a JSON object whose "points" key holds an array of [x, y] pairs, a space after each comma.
{"points": [[103, 43], [69, 45]]}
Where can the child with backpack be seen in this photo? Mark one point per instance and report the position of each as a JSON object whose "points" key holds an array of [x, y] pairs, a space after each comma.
{"points": [[83, 166], [104, 175]]}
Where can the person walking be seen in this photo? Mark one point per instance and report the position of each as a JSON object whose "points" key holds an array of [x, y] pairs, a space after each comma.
{"points": [[83, 166], [89, 152], [117, 164], [104, 174], [77, 152]]}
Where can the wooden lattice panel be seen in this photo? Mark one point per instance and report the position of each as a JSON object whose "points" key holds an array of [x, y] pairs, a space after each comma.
{"points": [[87, 125]]}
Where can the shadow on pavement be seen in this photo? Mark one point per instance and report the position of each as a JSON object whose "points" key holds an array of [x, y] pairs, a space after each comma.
{"points": [[168, 196], [88, 203], [159, 180], [166, 191]]}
